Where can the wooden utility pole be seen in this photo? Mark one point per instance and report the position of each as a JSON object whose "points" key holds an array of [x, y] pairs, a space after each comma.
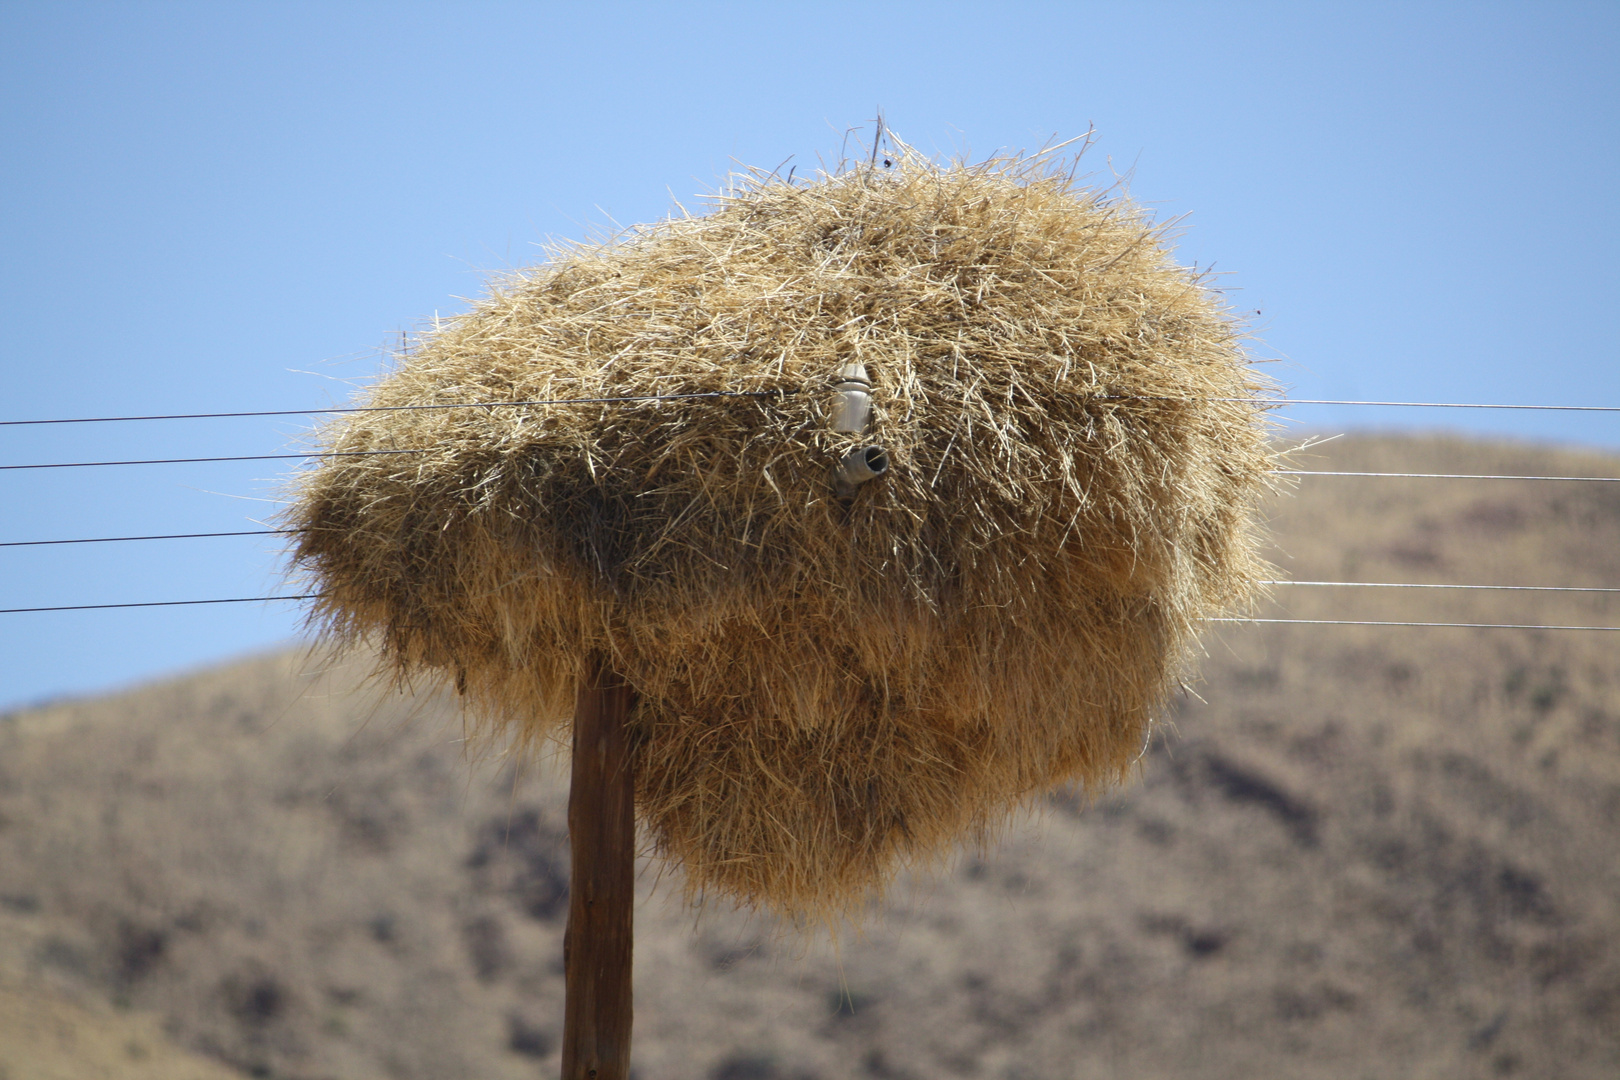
{"points": [[601, 892]]}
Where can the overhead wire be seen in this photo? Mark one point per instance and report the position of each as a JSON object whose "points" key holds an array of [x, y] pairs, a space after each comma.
{"points": [[402, 408], [160, 536], [1279, 403], [1311, 622], [1285, 402], [1385, 622], [1269, 402], [423, 450], [629, 399], [1267, 582], [1426, 585], [198, 460], [1440, 476], [155, 603], [427, 449], [1270, 582]]}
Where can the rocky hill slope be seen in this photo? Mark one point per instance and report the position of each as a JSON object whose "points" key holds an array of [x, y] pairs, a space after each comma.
{"points": [[1356, 852]]}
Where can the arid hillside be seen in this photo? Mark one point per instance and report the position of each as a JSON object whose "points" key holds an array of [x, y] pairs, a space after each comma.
{"points": [[1352, 851]]}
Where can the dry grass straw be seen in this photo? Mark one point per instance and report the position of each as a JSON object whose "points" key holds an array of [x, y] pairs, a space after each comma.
{"points": [[824, 692]]}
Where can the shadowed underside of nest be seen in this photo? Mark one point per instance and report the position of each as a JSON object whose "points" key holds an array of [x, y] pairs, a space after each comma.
{"points": [[825, 688]]}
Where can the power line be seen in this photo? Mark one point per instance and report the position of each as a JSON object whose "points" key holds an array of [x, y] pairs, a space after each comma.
{"points": [[1416, 585], [402, 408], [1273, 582], [1269, 402], [196, 460], [1373, 622], [164, 536], [1279, 581], [1442, 476], [1441, 405], [424, 450], [156, 603], [1303, 622]]}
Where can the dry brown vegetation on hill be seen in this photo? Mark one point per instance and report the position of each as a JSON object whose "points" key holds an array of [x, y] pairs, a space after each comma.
{"points": [[1369, 852]]}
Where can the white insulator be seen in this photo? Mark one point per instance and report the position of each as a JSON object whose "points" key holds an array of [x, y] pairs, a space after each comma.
{"points": [[858, 467], [852, 400]]}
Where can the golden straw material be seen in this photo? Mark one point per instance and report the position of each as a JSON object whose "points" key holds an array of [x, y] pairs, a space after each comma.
{"points": [[832, 680]]}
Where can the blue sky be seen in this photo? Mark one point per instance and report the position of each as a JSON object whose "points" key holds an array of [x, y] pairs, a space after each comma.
{"points": [[228, 206]]}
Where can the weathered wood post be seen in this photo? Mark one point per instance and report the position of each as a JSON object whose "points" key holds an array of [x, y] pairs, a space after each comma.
{"points": [[601, 899]]}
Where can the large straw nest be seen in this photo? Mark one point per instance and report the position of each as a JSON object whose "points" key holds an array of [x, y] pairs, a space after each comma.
{"points": [[825, 691]]}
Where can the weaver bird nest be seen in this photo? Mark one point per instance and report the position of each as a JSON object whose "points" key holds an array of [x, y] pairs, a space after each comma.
{"points": [[898, 497]]}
